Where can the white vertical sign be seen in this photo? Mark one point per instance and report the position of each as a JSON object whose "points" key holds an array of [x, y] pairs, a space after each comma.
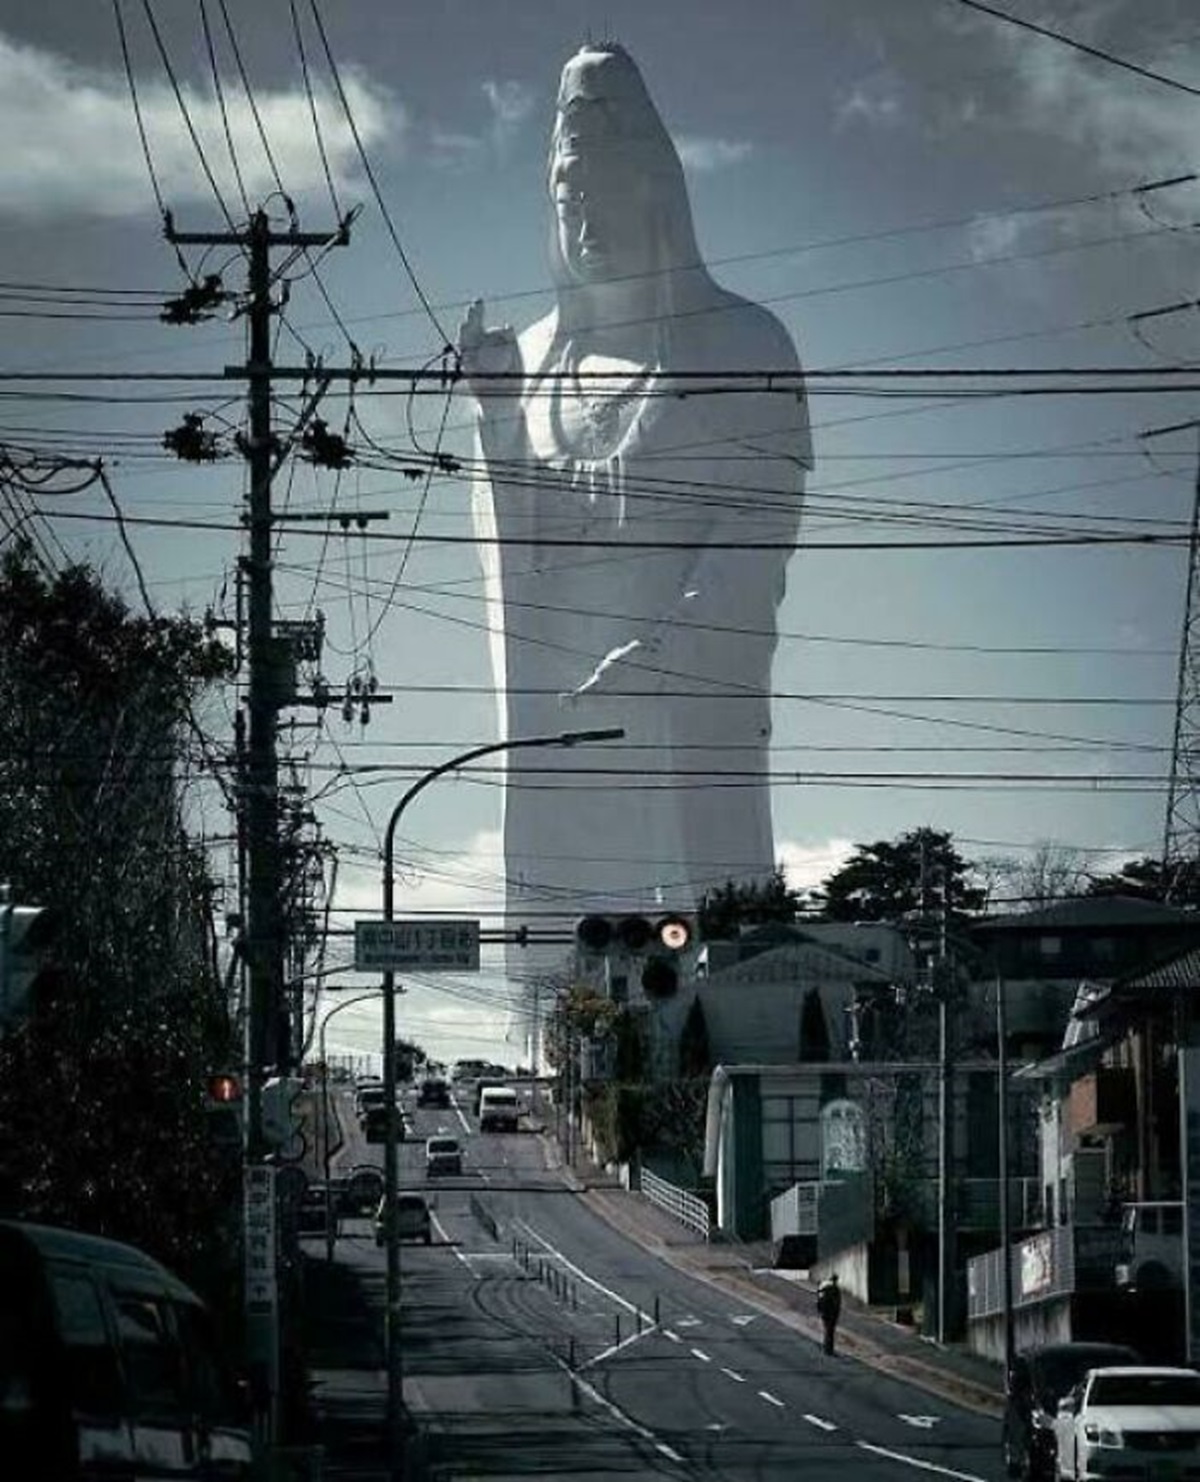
{"points": [[259, 1193]]}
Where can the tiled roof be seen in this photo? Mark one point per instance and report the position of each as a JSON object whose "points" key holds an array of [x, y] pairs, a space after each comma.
{"points": [[1089, 911]]}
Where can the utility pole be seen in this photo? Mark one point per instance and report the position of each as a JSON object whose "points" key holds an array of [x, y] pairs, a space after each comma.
{"points": [[267, 1040], [1181, 833]]}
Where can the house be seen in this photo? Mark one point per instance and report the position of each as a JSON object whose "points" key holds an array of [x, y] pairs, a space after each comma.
{"points": [[1110, 1146]]}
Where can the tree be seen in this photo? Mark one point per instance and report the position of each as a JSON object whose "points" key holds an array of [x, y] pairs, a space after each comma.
{"points": [[1149, 879], [102, 1086], [1052, 872], [751, 903], [911, 876]]}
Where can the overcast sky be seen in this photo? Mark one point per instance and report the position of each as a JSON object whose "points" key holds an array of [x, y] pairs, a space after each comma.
{"points": [[907, 183]]}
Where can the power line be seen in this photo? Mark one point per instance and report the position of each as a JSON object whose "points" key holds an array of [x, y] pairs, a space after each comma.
{"points": [[1081, 46]]}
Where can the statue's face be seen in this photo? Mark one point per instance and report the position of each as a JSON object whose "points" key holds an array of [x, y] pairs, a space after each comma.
{"points": [[602, 232]]}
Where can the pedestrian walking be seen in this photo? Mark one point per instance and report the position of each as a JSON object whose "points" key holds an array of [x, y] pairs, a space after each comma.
{"points": [[829, 1307]]}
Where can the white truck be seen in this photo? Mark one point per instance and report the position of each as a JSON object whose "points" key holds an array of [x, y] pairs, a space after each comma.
{"points": [[499, 1109]]}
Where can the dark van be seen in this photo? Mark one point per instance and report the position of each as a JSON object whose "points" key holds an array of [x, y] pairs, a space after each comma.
{"points": [[108, 1367]]}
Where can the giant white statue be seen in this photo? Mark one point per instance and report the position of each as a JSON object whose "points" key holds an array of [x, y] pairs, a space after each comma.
{"points": [[634, 528]]}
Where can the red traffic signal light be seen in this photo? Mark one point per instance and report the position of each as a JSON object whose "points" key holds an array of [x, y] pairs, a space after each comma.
{"points": [[224, 1088], [672, 933]]}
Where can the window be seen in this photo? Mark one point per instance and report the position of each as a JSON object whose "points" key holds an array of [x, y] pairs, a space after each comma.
{"points": [[151, 1356], [1172, 1221], [92, 1379], [1049, 947], [211, 1386]]}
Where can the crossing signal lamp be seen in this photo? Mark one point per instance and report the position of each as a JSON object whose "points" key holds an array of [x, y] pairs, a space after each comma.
{"points": [[283, 1117], [224, 1105]]}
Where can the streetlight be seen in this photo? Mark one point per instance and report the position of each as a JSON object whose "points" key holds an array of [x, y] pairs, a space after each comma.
{"points": [[395, 1373], [337, 1009]]}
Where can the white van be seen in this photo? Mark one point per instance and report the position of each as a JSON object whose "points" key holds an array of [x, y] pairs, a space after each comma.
{"points": [[498, 1109], [1151, 1254]]}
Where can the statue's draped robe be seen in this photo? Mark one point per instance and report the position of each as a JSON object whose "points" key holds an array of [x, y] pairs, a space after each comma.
{"points": [[683, 803]]}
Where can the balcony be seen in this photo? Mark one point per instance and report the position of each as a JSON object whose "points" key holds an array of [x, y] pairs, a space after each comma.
{"points": [[1102, 1102]]}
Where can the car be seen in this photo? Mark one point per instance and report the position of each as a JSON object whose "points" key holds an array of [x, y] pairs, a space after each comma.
{"points": [[111, 1366], [442, 1155], [313, 1211], [1130, 1422], [499, 1110], [413, 1220], [433, 1092], [1038, 1380], [375, 1124]]}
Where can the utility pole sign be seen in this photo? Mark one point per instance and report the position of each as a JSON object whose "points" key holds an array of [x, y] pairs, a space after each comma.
{"points": [[426, 946]]}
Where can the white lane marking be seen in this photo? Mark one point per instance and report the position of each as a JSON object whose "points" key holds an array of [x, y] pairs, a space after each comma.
{"points": [[466, 1125], [578, 1271], [765, 1394], [690, 1322], [922, 1422], [742, 1318], [913, 1461], [701, 1355], [733, 1374], [674, 1337], [817, 1420], [618, 1414], [613, 1348]]}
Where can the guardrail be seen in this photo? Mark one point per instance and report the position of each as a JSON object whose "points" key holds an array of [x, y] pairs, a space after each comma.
{"points": [[681, 1204]]}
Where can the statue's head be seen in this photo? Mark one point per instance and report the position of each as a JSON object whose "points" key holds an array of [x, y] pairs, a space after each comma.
{"points": [[621, 209]]}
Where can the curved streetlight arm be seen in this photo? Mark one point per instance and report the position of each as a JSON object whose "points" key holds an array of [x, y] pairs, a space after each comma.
{"points": [[564, 738], [326, 1157], [393, 1359]]}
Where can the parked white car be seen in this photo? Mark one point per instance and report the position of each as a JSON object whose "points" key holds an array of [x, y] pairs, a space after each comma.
{"points": [[1132, 1423]]}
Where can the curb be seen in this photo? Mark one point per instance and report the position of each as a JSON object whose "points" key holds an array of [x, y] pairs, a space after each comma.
{"points": [[852, 1344]]}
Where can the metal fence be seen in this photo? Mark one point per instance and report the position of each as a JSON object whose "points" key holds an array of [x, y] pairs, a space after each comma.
{"points": [[1052, 1263], [681, 1204]]}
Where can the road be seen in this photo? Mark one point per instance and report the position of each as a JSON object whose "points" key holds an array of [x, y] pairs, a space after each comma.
{"points": [[539, 1340]]}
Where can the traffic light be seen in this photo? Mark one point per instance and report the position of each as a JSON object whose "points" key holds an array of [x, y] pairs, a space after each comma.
{"points": [[283, 1117], [659, 939], [27, 933], [225, 1107]]}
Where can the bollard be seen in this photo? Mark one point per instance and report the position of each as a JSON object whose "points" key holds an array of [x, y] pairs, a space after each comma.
{"points": [[571, 1352], [656, 1318], [617, 1340], [637, 1319], [574, 1297]]}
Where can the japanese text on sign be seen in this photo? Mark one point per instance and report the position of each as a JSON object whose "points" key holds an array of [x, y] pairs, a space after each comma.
{"points": [[422, 946]]}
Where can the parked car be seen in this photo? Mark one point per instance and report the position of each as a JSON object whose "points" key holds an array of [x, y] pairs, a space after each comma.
{"points": [[499, 1109], [442, 1155], [108, 1366], [433, 1092], [1131, 1423], [1039, 1379], [413, 1220]]}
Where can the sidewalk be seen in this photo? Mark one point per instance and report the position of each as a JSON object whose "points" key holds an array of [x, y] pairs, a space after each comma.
{"points": [[746, 1270]]}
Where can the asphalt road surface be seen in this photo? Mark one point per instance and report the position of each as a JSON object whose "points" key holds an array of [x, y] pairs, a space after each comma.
{"points": [[539, 1341]]}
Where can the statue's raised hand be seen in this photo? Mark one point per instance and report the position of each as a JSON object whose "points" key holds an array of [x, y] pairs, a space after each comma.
{"points": [[484, 353]]}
